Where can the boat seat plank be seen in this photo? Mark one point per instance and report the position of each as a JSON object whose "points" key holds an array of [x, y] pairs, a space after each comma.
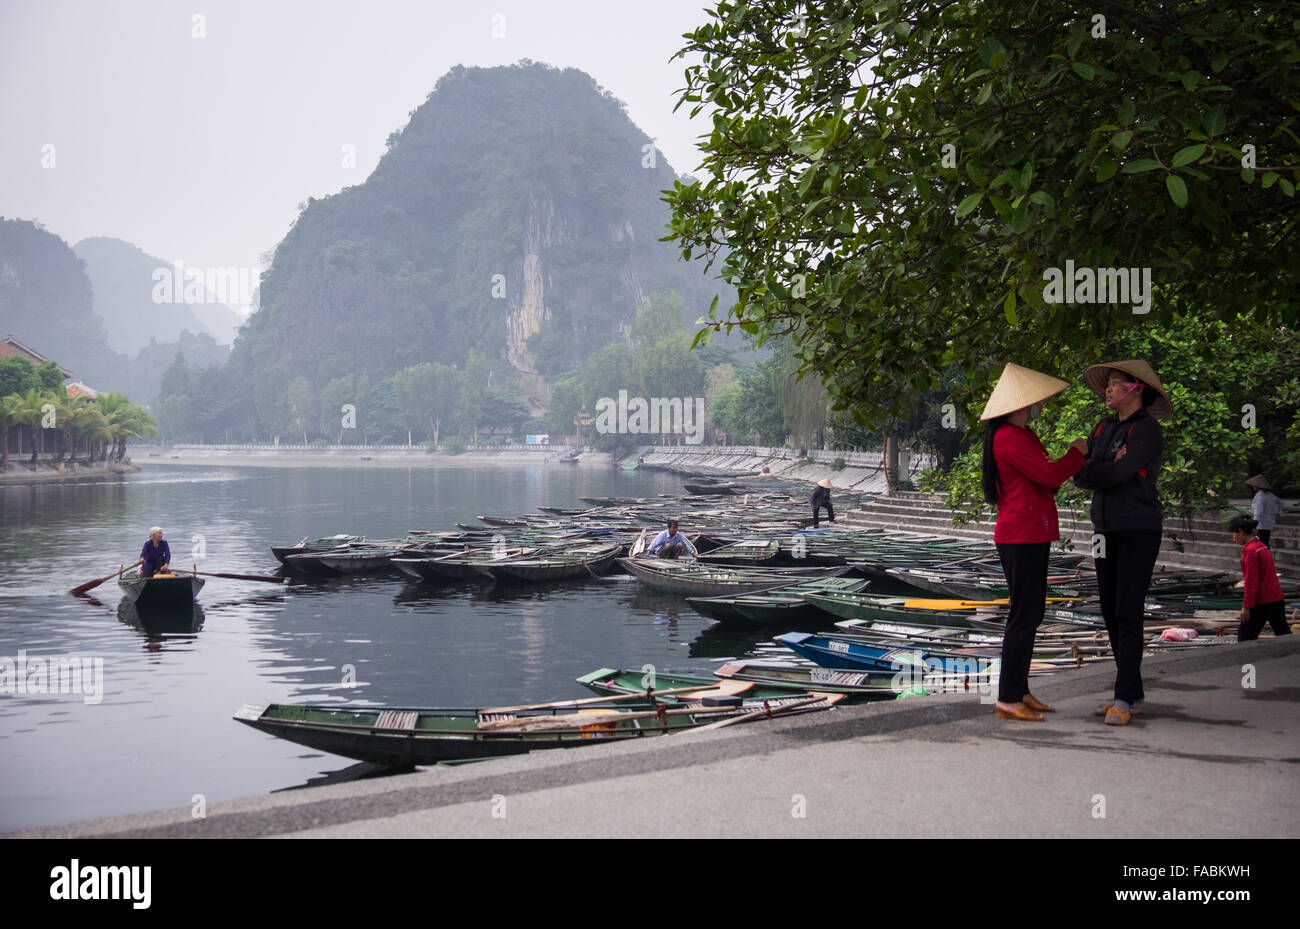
{"points": [[396, 719]]}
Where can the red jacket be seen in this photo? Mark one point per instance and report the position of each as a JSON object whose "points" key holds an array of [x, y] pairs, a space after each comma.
{"points": [[1260, 574], [1027, 482]]}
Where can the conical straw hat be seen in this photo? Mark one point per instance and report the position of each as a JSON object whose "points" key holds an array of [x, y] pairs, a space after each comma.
{"points": [[1097, 375], [825, 482], [1259, 482], [1018, 388]]}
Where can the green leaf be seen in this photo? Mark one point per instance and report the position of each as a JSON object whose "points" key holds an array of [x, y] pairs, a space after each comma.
{"points": [[1121, 139], [1126, 111], [1267, 180], [1177, 189], [969, 204], [1142, 164], [1185, 156], [1009, 307], [1218, 64], [1215, 121], [1106, 169], [985, 92], [1285, 186], [1083, 69]]}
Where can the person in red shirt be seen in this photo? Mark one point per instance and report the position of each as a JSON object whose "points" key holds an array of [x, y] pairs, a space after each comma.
{"points": [[1021, 481], [1262, 601]]}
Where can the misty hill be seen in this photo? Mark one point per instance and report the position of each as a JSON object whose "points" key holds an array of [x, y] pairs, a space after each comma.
{"points": [[46, 302], [123, 279], [516, 214]]}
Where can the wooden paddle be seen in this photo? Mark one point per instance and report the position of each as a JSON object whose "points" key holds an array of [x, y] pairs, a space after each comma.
{"points": [[91, 585], [564, 704], [775, 711], [240, 577]]}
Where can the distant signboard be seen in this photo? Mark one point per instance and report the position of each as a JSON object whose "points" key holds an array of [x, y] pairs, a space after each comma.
{"points": [[537, 440]]}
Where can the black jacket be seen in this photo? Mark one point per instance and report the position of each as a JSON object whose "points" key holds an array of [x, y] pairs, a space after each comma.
{"points": [[821, 496], [1124, 491]]}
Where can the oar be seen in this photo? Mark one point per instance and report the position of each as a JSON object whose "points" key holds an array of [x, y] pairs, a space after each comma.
{"points": [[241, 577], [563, 704], [91, 585], [761, 714]]}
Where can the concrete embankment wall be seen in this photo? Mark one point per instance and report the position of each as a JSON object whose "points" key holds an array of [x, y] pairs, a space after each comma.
{"points": [[20, 473], [362, 454]]}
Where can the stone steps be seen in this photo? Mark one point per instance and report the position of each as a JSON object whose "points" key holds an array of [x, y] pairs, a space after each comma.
{"points": [[1205, 542]]}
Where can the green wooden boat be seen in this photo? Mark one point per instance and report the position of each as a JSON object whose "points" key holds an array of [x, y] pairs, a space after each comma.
{"points": [[404, 737], [629, 681], [787, 604]]}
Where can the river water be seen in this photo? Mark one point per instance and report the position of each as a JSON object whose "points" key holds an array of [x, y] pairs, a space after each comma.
{"points": [[160, 733]]}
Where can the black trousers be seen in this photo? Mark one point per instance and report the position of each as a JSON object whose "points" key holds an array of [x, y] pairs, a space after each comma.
{"points": [[1123, 577], [830, 510], [1272, 613], [1026, 569], [1264, 535]]}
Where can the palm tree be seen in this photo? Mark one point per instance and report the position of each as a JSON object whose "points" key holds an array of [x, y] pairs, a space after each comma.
{"points": [[87, 420], [30, 413], [9, 408], [65, 411], [125, 421]]}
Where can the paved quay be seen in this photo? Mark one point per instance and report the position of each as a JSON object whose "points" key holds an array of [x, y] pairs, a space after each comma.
{"points": [[1212, 757]]}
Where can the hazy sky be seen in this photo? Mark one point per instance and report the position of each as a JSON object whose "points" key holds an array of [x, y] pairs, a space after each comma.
{"points": [[200, 149]]}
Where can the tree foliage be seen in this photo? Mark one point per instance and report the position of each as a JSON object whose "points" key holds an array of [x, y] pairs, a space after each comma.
{"points": [[890, 182]]}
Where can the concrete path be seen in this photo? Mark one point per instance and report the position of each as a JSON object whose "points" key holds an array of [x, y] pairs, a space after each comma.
{"points": [[1213, 756]]}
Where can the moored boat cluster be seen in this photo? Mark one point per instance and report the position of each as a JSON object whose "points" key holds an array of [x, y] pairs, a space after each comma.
{"points": [[898, 614]]}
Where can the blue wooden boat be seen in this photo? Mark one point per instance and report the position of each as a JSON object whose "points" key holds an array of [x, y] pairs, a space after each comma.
{"points": [[845, 654]]}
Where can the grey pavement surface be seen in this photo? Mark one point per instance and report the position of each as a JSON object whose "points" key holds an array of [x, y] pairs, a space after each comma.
{"points": [[1213, 756]]}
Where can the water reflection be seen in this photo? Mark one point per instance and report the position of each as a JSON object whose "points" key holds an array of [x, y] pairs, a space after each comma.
{"points": [[159, 622]]}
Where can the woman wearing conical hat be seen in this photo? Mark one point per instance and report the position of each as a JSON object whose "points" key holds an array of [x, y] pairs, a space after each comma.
{"points": [[1265, 505], [1021, 481], [1122, 469]]}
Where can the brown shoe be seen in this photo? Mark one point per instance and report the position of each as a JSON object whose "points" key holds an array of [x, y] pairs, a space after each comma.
{"points": [[1035, 704], [1101, 710], [1117, 717], [1024, 714]]}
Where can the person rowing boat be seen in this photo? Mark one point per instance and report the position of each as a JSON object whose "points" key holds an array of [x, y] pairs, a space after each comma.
{"points": [[156, 556]]}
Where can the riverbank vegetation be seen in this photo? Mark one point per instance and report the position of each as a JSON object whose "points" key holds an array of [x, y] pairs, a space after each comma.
{"points": [[895, 187], [38, 417]]}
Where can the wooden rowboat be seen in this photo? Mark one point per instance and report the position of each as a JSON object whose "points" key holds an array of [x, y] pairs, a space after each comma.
{"points": [[171, 591], [686, 577], [787, 604], [586, 561], [404, 737], [304, 546]]}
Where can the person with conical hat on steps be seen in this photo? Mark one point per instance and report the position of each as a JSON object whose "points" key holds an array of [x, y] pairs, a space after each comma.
{"points": [[1021, 481], [1265, 505], [821, 497], [1122, 469]]}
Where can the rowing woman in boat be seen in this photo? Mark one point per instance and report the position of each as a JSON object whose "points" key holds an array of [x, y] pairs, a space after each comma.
{"points": [[670, 543], [156, 556]]}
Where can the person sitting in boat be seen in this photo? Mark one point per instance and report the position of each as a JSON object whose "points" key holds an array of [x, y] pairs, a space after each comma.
{"points": [[155, 557], [670, 543], [821, 497]]}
